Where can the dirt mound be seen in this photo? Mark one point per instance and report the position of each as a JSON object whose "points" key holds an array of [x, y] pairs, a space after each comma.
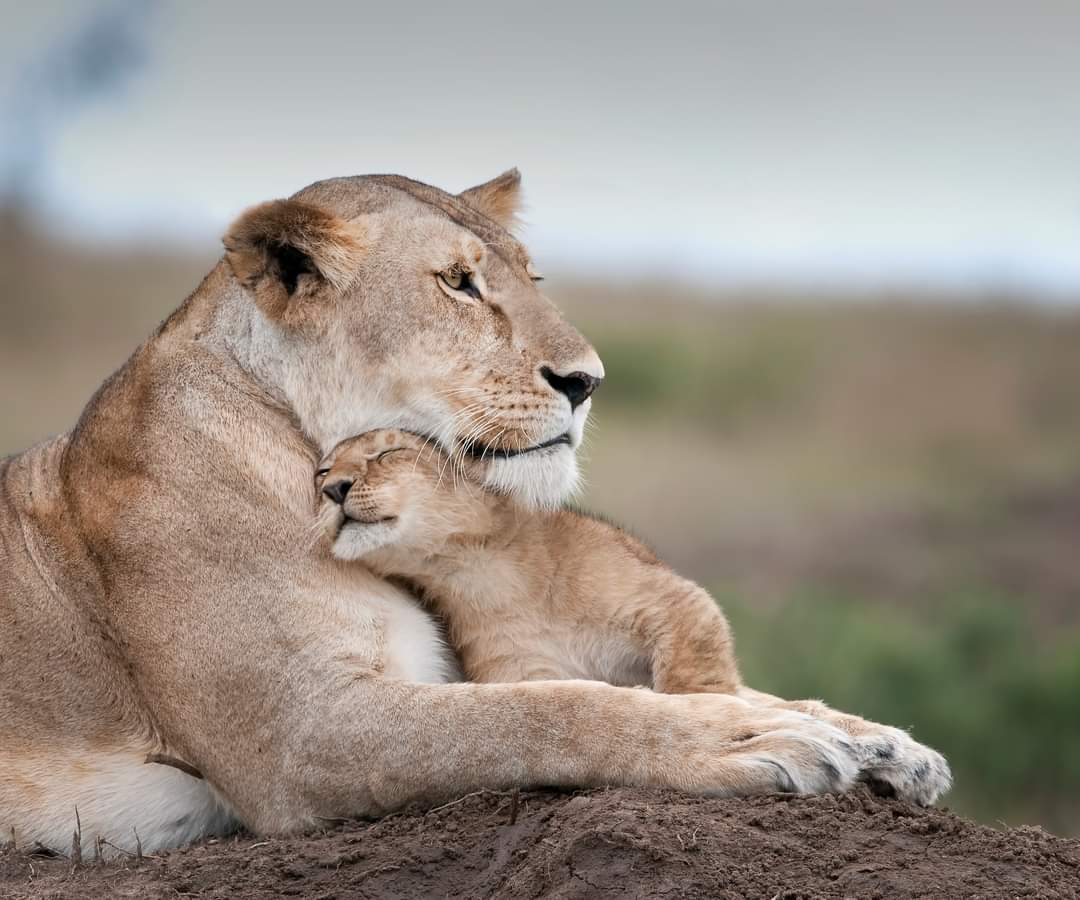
{"points": [[615, 843]]}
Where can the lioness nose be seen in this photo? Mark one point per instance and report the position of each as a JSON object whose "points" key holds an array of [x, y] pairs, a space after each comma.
{"points": [[337, 489], [578, 386]]}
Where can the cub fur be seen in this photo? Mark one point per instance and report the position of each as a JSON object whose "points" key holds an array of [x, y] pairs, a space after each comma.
{"points": [[526, 597]]}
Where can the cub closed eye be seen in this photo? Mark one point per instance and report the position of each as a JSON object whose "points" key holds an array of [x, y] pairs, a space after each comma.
{"points": [[458, 282], [388, 452]]}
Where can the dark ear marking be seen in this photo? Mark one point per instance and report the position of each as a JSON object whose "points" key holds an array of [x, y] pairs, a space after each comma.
{"points": [[273, 245], [291, 264]]}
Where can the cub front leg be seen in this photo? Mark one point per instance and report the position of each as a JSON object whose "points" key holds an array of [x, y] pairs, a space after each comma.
{"points": [[889, 759], [689, 641]]}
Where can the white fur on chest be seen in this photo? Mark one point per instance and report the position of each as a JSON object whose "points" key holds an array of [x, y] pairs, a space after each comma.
{"points": [[386, 626], [600, 656], [414, 648]]}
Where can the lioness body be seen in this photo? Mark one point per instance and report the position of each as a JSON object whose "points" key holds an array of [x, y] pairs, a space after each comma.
{"points": [[525, 595], [113, 618], [159, 589]]}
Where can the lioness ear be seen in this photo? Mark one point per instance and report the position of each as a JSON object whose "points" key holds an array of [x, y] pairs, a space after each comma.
{"points": [[285, 248], [498, 199]]}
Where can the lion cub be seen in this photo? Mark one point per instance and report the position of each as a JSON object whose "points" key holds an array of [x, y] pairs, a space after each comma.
{"points": [[525, 596]]}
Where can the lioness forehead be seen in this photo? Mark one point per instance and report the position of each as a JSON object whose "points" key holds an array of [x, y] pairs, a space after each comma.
{"points": [[358, 195]]}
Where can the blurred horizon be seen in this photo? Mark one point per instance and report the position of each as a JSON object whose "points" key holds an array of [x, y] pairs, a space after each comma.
{"points": [[839, 147]]}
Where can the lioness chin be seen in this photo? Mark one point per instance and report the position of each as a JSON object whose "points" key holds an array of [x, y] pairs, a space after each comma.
{"points": [[161, 599]]}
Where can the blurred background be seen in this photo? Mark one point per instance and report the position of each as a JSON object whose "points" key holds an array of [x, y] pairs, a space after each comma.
{"points": [[830, 254]]}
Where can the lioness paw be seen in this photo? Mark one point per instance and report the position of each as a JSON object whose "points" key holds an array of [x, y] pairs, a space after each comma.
{"points": [[780, 751], [806, 756], [893, 764]]}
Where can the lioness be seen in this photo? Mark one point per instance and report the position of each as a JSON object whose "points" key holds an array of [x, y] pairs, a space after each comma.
{"points": [[551, 594], [160, 599]]}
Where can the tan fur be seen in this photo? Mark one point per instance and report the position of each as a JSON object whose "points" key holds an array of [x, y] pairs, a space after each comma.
{"points": [[162, 591], [547, 595], [525, 596], [334, 247], [498, 199]]}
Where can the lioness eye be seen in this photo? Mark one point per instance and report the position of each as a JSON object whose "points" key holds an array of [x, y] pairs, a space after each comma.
{"points": [[460, 282], [322, 473]]}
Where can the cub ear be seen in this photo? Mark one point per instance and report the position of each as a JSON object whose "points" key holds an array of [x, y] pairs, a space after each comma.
{"points": [[287, 248], [498, 199]]}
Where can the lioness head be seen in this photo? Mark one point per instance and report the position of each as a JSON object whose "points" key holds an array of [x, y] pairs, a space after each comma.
{"points": [[390, 487], [378, 301]]}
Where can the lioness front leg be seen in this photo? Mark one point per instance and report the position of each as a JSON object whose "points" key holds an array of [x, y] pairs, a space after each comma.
{"points": [[890, 760], [380, 744], [692, 651]]}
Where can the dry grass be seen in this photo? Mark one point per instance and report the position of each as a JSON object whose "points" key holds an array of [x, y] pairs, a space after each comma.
{"points": [[892, 448]]}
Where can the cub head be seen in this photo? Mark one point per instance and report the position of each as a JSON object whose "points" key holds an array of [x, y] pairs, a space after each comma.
{"points": [[388, 487], [376, 302]]}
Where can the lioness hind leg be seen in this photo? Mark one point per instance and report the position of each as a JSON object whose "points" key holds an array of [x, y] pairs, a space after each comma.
{"points": [[890, 761], [115, 796]]}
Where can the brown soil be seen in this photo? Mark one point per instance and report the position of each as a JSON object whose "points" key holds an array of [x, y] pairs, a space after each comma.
{"points": [[615, 843]]}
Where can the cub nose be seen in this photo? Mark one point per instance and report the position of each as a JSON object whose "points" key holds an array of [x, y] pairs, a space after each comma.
{"points": [[577, 386], [337, 489]]}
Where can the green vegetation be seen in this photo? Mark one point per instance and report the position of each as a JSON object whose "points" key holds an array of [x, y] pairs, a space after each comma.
{"points": [[688, 372], [972, 679]]}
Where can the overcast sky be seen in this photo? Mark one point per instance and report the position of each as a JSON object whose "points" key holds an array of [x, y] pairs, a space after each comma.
{"points": [[811, 140]]}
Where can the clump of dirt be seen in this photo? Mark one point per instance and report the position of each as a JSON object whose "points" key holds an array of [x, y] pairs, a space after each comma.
{"points": [[615, 843]]}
